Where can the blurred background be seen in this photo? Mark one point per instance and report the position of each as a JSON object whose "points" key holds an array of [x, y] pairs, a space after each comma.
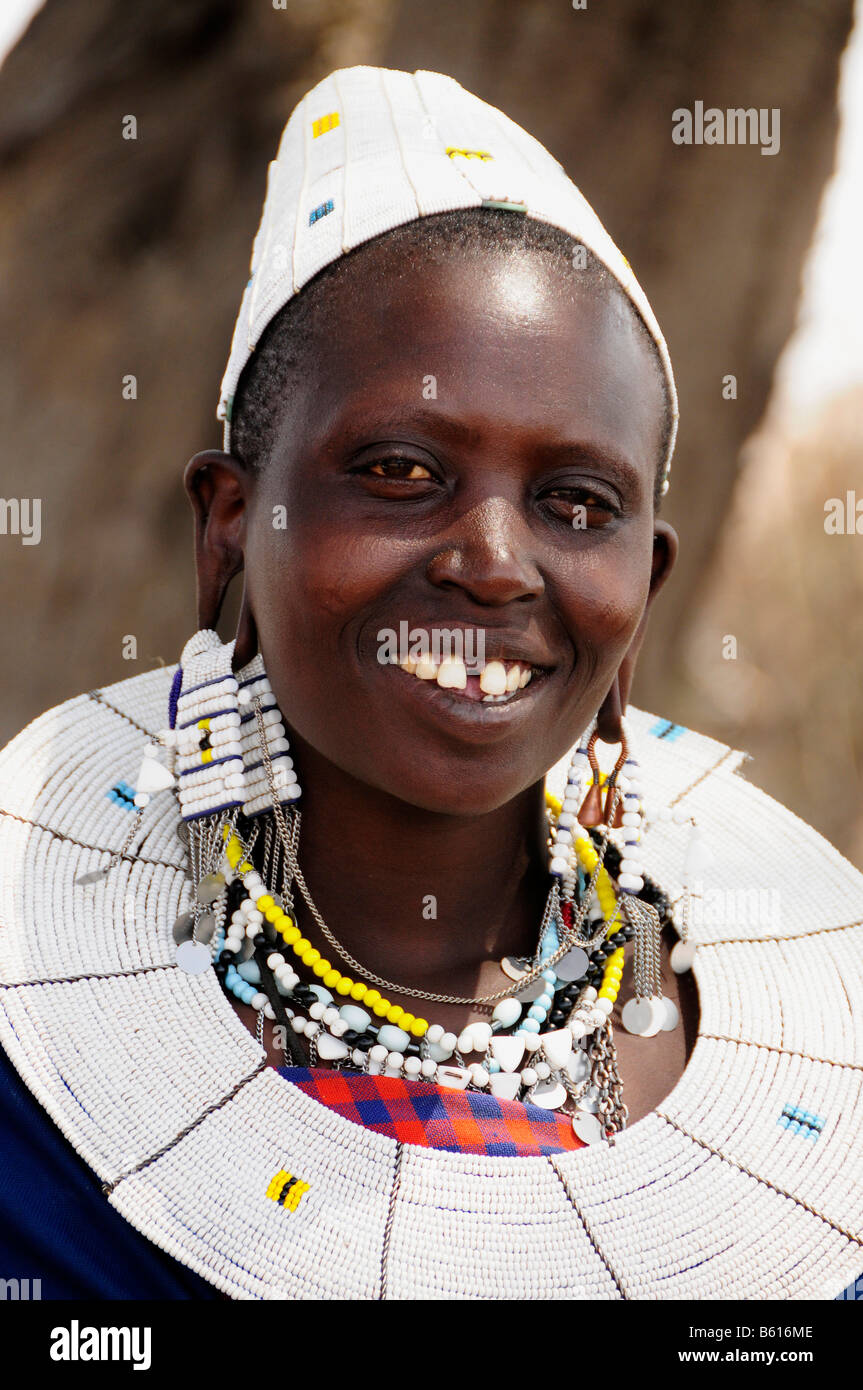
{"points": [[127, 257]]}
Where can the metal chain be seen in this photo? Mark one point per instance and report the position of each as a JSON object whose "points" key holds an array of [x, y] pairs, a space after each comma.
{"points": [[290, 845], [606, 1078]]}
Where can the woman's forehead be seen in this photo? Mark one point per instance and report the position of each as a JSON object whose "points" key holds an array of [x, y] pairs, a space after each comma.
{"points": [[502, 341]]}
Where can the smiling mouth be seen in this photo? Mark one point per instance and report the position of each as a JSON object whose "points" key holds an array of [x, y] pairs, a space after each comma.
{"points": [[497, 682]]}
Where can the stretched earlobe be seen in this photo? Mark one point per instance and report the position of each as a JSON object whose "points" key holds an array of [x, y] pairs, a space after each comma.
{"points": [[609, 716], [246, 646]]}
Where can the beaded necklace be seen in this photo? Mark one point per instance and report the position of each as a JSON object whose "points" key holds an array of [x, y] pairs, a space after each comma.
{"points": [[549, 1033]]}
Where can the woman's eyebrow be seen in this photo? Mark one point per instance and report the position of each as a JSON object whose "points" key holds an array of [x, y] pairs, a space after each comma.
{"points": [[435, 421]]}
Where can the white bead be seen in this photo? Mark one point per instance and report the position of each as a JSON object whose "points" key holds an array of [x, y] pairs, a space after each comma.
{"points": [[479, 1077], [394, 1061], [604, 1006], [532, 1041], [529, 1077], [557, 1046], [631, 881], [428, 1067], [435, 1033], [339, 1027], [317, 1010], [508, 1051], [331, 1049], [505, 1085], [394, 1039], [543, 1070], [274, 961], [558, 866], [329, 1016], [465, 1041], [455, 1078], [311, 1028], [481, 1035], [413, 1066], [377, 1053], [506, 1012]]}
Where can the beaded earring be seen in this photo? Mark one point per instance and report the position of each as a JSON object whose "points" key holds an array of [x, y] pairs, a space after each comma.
{"points": [[205, 733], [263, 737]]}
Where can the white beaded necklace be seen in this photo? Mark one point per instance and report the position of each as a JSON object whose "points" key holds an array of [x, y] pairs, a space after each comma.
{"points": [[743, 1182]]}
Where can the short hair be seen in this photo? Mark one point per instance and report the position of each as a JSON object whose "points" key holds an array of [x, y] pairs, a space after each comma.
{"points": [[262, 388]]}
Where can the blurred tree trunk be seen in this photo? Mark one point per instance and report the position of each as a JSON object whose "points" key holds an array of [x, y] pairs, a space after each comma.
{"points": [[128, 257]]}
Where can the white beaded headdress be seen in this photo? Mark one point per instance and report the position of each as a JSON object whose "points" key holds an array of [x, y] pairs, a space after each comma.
{"points": [[744, 1182], [368, 149]]}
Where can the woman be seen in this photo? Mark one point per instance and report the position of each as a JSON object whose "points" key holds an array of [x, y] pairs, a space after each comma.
{"points": [[375, 828]]}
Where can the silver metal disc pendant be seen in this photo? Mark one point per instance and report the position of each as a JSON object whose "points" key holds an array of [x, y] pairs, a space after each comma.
{"points": [[514, 968], [531, 992], [183, 927], [210, 888], [183, 833], [206, 927], [548, 1095], [682, 956], [573, 965], [643, 1017], [586, 1127], [193, 957], [672, 1016]]}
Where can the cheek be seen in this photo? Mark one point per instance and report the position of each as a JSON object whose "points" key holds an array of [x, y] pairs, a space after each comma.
{"points": [[604, 598], [309, 580]]}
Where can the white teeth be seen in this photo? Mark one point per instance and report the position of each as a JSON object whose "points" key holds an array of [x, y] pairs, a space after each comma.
{"points": [[452, 674], [525, 678], [513, 676], [493, 679], [409, 665], [426, 669]]}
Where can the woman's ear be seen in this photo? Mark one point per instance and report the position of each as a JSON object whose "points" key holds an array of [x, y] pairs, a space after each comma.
{"points": [[218, 488], [613, 708]]}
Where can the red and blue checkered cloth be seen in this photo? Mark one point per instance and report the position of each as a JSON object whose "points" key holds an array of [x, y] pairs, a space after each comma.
{"points": [[435, 1117]]}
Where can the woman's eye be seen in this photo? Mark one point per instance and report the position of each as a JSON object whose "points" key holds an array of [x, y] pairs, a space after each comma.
{"points": [[401, 469], [582, 507]]}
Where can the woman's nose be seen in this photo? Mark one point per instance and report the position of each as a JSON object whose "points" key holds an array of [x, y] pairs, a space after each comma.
{"points": [[491, 557]]}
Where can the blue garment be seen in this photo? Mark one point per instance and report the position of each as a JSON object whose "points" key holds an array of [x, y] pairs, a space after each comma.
{"points": [[57, 1226]]}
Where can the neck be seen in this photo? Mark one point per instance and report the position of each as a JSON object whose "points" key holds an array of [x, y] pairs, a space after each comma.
{"points": [[416, 895]]}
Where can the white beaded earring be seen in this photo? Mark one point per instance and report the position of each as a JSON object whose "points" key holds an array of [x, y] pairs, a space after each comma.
{"points": [[263, 738], [205, 719]]}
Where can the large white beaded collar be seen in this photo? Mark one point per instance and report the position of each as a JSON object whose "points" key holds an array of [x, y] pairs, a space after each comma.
{"points": [[744, 1182]]}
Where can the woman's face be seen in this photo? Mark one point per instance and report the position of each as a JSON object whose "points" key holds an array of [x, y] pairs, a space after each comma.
{"points": [[442, 438]]}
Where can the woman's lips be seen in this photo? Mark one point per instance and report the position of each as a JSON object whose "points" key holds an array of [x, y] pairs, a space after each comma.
{"points": [[495, 682], [467, 708]]}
